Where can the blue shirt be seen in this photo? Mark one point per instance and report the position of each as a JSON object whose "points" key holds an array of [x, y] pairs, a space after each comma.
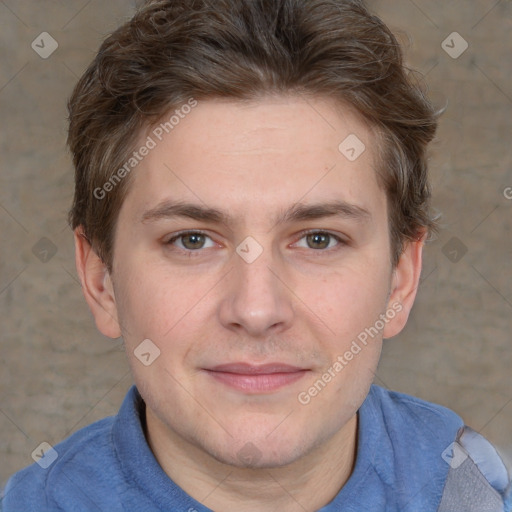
{"points": [[405, 457]]}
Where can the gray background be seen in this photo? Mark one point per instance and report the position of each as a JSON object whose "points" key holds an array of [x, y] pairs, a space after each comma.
{"points": [[57, 373]]}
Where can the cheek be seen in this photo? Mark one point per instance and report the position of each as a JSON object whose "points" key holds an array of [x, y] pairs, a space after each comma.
{"points": [[350, 300], [150, 302]]}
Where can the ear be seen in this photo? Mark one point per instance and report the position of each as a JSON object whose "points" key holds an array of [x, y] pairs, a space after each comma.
{"points": [[404, 285], [97, 286]]}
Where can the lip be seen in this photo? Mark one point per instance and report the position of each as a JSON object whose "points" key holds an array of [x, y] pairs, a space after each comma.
{"points": [[251, 378]]}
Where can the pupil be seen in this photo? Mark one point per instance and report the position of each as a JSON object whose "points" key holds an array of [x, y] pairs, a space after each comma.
{"points": [[193, 241], [321, 241]]}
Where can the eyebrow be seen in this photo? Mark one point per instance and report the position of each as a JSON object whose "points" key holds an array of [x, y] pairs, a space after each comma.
{"points": [[298, 212]]}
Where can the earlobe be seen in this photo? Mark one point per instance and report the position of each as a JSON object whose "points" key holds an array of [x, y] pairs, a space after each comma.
{"points": [[97, 286], [404, 285]]}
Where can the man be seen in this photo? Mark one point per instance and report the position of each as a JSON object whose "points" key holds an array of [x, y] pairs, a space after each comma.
{"points": [[250, 209]]}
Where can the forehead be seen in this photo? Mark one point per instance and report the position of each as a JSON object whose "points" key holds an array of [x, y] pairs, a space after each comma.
{"points": [[254, 158]]}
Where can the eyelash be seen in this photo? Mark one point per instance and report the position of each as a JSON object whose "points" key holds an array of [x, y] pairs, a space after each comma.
{"points": [[190, 252]]}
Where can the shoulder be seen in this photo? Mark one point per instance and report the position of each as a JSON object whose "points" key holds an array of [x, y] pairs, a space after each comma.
{"points": [[478, 479], [428, 442], [61, 468], [405, 412], [412, 436]]}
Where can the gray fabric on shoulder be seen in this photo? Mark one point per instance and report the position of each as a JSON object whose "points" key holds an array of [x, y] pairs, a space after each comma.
{"points": [[477, 477]]}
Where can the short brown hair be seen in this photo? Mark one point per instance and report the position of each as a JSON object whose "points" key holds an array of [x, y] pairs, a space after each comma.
{"points": [[175, 50]]}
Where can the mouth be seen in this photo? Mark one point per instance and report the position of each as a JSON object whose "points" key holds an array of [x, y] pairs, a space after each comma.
{"points": [[254, 379]]}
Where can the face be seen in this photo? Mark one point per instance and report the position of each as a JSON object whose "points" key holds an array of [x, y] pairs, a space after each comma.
{"points": [[255, 255]]}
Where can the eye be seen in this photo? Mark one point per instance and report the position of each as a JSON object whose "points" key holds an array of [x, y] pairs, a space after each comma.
{"points": [[320, 240], [191, 241]]}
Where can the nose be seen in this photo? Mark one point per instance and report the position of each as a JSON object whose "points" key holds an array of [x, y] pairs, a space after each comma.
{"points": [[257, 300]]}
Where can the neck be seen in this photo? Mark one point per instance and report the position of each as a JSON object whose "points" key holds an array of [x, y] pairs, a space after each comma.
{"points": [[308, 483]]}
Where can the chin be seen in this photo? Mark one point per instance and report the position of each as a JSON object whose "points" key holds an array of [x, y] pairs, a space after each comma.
{"points": [[261, 453], [251, 457]]}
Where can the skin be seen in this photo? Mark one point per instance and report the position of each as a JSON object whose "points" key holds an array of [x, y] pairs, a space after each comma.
{"points": [[302, 301]]}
